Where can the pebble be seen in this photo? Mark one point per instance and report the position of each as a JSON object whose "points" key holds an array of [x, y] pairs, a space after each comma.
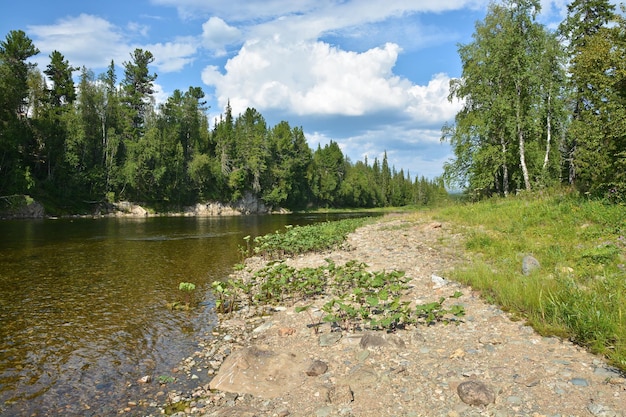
{"points": [[329, 339], [476, 393], [581, 382]]}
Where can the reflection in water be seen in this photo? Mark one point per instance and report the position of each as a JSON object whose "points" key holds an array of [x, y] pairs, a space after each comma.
{"points": [[83, 304]]}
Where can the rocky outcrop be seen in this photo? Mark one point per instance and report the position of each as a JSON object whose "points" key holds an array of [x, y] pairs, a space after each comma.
{"points": [[21, 207], [248, 204]]}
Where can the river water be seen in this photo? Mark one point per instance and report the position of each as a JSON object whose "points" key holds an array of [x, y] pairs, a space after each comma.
{"points": [[83, 304]]}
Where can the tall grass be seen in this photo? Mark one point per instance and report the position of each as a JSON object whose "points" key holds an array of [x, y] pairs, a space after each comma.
{"points": [[580, 290]]}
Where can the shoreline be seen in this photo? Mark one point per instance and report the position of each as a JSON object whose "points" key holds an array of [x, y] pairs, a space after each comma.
{"points": [[412, 372]]}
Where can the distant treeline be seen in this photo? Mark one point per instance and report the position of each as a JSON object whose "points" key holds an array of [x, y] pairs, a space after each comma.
{"points": [[104, 140]]}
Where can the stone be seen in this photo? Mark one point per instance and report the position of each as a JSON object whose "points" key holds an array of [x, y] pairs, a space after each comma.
{"points": [[581, 382], [263, 327], [371, 341], [286, 331], [475, 393], [598, 410], [340, 394], [317, 368], [145, 379], [529, 264], [261, 373], [438, 282], [329, 339]]}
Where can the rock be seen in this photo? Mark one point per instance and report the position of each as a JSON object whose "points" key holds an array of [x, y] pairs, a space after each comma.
{"points": [[529, 264], [340, 394], [581, 382], [286, 331], [263, 327], [329, 339], [598, 410], [372, 341], [261, 373], [145, 379], [317, 368], [438, 282], [475, 393]]}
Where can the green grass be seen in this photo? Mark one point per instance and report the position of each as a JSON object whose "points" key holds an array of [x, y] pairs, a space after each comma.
{"points": [[580, 290]]}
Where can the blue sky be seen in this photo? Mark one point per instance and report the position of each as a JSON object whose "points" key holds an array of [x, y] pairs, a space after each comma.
{"points": [[372, 75]]}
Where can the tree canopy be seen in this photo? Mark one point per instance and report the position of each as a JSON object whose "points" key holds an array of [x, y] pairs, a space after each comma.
{"points": [[98, 140], [541, 107]]}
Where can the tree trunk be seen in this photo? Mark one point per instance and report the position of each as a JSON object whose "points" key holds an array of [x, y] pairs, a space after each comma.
{"points": [[505, 169], [520, 136], [548, 137]]}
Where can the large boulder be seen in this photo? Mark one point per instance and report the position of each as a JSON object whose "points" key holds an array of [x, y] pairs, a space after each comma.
{"points": [[261, 373]]}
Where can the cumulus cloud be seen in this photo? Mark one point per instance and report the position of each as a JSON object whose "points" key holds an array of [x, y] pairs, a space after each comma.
{"points": [[84, 40], [309, 78], [172, 56], [315, 78], [429, 103], [217, 34], [91, 41]]}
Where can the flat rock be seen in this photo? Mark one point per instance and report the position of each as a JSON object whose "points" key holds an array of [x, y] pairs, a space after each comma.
{"points": [[260, 373], [317, 368], [329, 339], [475, 393]]}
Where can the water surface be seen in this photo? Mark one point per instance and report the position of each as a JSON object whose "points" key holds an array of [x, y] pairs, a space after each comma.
{"points": [[83, 310]]}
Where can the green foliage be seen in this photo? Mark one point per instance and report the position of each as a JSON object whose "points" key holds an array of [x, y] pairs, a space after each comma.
{"points": [[578, 292], [165, 379], [511, 83], [187, 288], [358, 298], [301, 239]]}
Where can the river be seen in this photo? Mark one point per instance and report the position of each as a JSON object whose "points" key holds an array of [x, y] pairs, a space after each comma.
{"points": [[83, 304]]}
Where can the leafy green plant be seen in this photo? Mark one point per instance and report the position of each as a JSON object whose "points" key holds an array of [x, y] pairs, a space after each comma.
{"points": [[224, 294], [431, 313], [187, 288], [165, 379], [300, 239]]}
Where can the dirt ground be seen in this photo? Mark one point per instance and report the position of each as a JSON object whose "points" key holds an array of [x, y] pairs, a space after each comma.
{"points": [[278, 365]]}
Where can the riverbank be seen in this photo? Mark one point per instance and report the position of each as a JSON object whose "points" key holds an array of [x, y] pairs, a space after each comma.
{"points": [[488, 363], [25, 207]]}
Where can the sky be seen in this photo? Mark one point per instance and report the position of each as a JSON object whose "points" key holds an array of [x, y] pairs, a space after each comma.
{"points": [[371, 75]]}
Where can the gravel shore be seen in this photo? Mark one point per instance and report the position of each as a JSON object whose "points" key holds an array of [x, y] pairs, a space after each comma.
{"points": [[275, 364]]}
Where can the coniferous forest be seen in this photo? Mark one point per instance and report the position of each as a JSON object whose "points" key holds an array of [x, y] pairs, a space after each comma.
{"points": [[103, 139], [541, 108]]}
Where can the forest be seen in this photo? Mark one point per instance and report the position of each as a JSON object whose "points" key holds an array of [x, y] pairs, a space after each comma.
{"points": [[73, 143], [541, 107]]}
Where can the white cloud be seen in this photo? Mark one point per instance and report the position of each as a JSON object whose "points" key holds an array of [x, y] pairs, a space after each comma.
{"points": [[310, 78], [84, 40], [240, 10], [217, 34], [87, 40], [172, 56], [138, 28], [429, 104], [314, 78]]}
